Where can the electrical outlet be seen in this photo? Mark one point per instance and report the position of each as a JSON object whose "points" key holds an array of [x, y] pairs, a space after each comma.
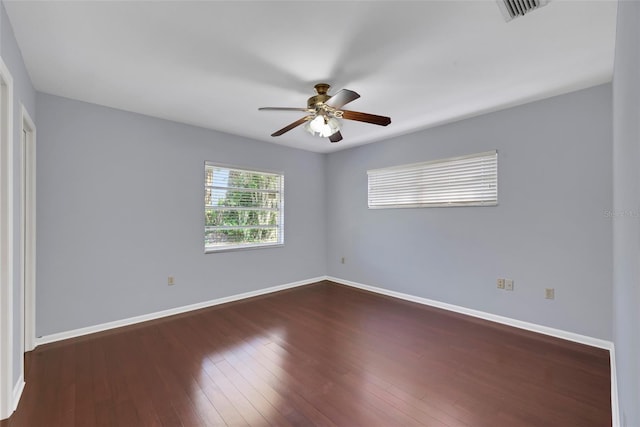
{"points": [[500, 283], [508, 284], [550, 293], [171, 281]]}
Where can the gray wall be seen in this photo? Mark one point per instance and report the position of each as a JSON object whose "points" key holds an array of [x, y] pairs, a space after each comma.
{"points": [[549, 229], [120, 201], [120, 208], [626, 222], [23, 94]]}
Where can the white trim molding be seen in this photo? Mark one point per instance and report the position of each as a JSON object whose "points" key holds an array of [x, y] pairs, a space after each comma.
{"points": [[570, 336], [615, 404], [6, 242], [17, 393], [28, 231], [545, 330], [170, 312], [558, 333]]}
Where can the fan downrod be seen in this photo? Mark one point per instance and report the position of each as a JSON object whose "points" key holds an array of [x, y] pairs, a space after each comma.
{"points": [[322, 88]]}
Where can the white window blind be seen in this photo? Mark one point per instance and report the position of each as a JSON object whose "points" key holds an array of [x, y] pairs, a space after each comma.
{"points": [[460, 181], [242, 208]]}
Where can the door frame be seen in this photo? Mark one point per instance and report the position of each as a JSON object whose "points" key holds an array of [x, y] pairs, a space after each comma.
{"points": [[6, 242]]}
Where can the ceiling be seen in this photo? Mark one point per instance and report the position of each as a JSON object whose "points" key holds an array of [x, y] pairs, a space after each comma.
{"points": [[213, 63]]}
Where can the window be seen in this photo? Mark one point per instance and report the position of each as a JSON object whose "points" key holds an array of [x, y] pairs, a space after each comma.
{"points": [[242, 208], [460, 181]]}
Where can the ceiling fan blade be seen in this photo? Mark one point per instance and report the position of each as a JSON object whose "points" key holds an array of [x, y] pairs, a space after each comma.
{"points": [[336, 137], [291, 126], [343, 97], [365, 117]]}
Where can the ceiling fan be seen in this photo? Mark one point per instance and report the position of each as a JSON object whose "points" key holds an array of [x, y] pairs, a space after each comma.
{"points": [[325, 111]]}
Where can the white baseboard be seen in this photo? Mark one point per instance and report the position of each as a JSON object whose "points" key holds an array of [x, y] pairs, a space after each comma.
{"points": [[558, 333], [170, 312], [17, 393], [615, 406]]}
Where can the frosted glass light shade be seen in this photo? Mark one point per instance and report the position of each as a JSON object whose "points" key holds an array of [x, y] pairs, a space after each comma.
{"points": [[323, 126]]}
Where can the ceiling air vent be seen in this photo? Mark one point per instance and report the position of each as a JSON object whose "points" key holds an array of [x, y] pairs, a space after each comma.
{"points": [[513, 8]]}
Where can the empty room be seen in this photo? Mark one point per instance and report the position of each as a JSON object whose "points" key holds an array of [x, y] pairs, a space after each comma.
{"points": [[320, 213]]}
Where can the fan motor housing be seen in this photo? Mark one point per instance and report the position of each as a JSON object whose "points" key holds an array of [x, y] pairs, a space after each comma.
{"points": [[321, 97], [317, 99]]}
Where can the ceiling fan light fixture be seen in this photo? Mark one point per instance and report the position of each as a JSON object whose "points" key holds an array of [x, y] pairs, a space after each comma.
{"points": [[325, 114], [323, 126]]}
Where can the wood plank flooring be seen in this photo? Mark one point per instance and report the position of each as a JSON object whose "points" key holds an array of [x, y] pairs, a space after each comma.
{"points": [[319, 355]]}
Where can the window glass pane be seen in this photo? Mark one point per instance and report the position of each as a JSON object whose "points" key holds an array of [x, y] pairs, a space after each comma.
{"points": [[240, 236], [241, 198], [243, 208], [229, 217]]}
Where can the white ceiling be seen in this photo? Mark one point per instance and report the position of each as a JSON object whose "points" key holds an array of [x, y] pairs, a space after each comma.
{"points": [[213, 63]]}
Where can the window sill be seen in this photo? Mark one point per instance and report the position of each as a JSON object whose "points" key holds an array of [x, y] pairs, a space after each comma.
{"points": [[243, 248]]}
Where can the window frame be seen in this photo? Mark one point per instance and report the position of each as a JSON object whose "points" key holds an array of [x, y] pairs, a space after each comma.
{"points": [[428, 169], [280, 210]]}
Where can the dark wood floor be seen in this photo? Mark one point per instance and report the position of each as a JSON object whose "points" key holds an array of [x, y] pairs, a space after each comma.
{"points": [[321, 355]]}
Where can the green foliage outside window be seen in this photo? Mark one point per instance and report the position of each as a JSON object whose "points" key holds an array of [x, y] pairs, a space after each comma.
{"points": [[241, 208]]}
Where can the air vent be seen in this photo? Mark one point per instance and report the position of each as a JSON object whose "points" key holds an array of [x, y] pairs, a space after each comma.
{"points": [[513, 8]]}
